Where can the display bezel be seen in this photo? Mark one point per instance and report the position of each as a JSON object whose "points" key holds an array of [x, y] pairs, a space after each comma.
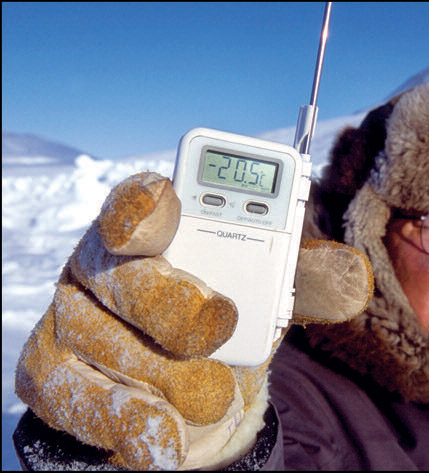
{"points": [[245, 155]]}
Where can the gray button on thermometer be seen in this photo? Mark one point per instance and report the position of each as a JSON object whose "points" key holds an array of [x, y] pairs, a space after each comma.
{"points": [[214, 200], [256, 208]]}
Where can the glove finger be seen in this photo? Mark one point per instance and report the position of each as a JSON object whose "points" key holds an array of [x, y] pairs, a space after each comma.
{"points": [[69, 395], [333, 282], [202, 390], [140, 216], [145, 429], [177, 310]]}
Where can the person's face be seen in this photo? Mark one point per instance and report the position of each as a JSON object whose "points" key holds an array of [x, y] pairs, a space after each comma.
{"points": [[411, 263]]}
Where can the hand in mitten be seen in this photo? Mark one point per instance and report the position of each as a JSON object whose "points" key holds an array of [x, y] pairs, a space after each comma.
{"points": [[119, 360]]}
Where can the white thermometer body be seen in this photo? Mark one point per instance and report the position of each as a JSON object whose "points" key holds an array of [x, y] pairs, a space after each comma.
{"points": [[243, 202]]}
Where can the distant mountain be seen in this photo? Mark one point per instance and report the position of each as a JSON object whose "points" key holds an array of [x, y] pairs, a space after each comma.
{"points": [[28, 149], [419, 78]]}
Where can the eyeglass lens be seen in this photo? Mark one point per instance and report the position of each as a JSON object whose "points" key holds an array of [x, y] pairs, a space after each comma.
{"points": [[425, 233]]}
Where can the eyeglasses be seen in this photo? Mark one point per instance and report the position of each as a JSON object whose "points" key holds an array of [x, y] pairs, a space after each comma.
{"points": [[424, 232], [424, 228]]}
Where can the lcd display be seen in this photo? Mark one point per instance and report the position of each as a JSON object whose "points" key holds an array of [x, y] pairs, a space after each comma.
{"points": [[240, 172]]}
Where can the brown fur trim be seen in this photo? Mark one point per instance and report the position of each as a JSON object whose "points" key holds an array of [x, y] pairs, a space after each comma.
{"points": [[401, 174], [386, 341], [350, 165], [351, 160]]}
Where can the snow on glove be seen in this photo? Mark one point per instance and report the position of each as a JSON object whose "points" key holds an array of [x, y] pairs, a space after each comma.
{"points": [[119, 360]]}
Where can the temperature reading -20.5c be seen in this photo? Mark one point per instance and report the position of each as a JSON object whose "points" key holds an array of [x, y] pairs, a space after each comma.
{"points": [[239, 171]]}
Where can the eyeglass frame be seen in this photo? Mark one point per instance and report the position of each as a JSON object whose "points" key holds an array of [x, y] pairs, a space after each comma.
{"points": [[397, 213], [424, 227]]}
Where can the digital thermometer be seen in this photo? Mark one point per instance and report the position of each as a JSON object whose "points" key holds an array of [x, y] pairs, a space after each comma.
{"points": [[243, 204]]}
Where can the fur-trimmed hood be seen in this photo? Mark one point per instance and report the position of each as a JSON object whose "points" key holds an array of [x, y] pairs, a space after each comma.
{"points": [[381, 165]]}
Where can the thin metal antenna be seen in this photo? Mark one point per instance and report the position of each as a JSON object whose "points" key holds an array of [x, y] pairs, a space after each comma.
{"points": [[308, 113], [321, 54]]}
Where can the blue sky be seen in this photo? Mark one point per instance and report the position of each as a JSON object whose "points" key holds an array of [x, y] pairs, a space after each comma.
{"points": [[126, 78]]}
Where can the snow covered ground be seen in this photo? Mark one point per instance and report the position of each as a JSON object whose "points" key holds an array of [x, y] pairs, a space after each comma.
{"points": [[49, 200]]}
